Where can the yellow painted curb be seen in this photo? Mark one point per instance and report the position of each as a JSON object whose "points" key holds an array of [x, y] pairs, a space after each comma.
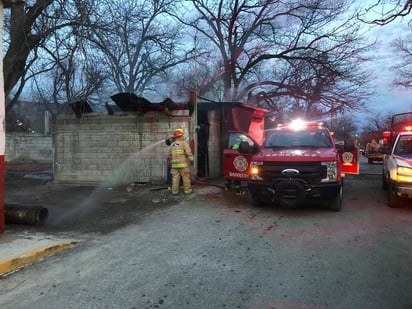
{"points": [[17, 261]]}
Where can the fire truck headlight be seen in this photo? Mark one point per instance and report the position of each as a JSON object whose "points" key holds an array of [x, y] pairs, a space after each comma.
{"points": [[255, 170], [404, 174], [331, 172]]}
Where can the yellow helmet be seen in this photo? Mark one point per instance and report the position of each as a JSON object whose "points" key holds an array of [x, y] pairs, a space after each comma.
{"points": [[243, 138], [178, 132]]}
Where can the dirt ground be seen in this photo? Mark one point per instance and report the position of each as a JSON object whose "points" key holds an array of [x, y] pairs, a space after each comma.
{"points": [[76, 208]]}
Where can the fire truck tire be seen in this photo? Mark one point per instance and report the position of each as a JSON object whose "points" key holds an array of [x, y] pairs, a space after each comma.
{"points": [[336, 203], [394, 201], [384, 182]]}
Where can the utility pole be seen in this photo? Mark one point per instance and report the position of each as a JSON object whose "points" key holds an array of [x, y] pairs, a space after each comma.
{"points": [[3, 4]]}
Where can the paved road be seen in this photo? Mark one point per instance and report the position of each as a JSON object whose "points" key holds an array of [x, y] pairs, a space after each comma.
{"points": [[213, 250], [370, 169]]}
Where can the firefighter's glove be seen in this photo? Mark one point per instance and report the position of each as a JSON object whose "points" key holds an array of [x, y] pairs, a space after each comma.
{"points": [[192, 162]]}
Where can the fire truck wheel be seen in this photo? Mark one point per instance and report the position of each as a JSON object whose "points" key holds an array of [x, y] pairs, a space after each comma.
{"points": [[394, 201], [384, 182], [336, 203]]}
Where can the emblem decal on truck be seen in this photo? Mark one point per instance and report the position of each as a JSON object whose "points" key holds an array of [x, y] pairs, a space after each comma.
{"points": [[240, 163], [347, 157]]}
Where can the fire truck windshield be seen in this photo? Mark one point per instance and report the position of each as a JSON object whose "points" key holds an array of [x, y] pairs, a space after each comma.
{"points": [[404, 146], [312, 138]]}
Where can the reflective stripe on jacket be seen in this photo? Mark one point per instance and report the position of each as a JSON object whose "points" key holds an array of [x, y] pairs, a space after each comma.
{"points": [[179, 152]]}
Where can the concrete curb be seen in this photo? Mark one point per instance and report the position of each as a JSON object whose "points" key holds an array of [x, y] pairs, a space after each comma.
{"points": [[13, 263]]}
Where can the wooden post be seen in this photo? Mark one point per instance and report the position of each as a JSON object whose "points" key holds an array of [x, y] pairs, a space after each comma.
{"points": [[193, 100], [2, 128]]}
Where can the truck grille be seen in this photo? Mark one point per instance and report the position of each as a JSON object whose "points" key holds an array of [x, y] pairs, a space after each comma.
{"points": [[310, 172]]}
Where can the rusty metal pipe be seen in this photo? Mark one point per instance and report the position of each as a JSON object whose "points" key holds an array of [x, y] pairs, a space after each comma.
{"points": [[25, 214]]}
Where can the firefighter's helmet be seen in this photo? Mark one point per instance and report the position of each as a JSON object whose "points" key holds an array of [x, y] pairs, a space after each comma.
{"points": [[242, 138], [178, 132]]}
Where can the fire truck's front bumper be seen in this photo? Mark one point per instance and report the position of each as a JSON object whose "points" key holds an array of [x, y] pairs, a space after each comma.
{"points": [[320, 192], [402, 189]]}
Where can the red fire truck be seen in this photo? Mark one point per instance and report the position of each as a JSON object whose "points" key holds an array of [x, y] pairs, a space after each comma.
{"points": [[296, 162]]}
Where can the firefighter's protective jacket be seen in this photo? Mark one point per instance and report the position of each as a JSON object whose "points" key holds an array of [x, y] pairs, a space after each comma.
{"points": [[179, 153]]}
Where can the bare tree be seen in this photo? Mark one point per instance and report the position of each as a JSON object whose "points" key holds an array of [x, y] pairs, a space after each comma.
{"points": [[70, 70], [377, 122], [137, 42], [374, 126], [403, 68], [22, 40], [386, 10], [344, 127], [271, 50], [27, 25], [74, 46]]}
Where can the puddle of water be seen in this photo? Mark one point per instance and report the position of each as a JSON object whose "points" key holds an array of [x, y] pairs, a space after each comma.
{"points": [[45, 175], [91, 202]]}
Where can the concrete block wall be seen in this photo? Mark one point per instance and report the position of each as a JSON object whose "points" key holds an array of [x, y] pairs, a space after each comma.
{"points": [[113, 149], [24, 146]]}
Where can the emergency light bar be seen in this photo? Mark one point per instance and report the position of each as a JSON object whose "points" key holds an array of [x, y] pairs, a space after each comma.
{"points": [[299, 124], [408, 128]]}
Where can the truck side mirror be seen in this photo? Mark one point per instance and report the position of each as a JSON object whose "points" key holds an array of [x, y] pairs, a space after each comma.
{"points": [[244, 147]]}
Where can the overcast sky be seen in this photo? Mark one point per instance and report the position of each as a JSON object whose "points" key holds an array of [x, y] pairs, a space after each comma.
{"points": [[388, 98]]}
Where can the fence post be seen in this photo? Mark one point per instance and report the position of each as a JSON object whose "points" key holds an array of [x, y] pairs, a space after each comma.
{"points": [[2, 127]]}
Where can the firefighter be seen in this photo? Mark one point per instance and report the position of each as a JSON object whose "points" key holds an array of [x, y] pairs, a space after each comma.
{"points": [[374, 146], [241, 138], [179, 155], [168, 141]]}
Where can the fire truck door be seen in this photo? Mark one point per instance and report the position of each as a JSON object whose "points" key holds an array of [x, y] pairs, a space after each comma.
{"points": [[350, 158], [235, 164]]}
